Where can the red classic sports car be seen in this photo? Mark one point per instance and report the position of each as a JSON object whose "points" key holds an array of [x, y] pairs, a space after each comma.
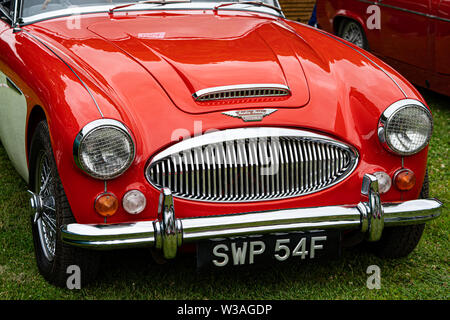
{"points": [[413, 36], [164, 124]]}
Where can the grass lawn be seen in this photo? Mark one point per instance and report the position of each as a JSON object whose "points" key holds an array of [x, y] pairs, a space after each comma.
{"points": [[134, 275]]}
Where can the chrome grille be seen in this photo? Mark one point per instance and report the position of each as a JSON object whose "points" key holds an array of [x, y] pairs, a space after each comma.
{"points": [[251, 164], [241, 92]]}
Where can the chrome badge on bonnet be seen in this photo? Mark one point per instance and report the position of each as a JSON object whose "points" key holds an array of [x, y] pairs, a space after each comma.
{"points": [[250, 115]]}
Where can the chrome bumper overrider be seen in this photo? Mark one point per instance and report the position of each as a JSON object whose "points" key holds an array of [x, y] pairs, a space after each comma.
{"points": [[168, 233]]}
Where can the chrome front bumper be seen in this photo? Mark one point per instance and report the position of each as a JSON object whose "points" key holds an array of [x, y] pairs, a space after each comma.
{"points": [[168, 233]]}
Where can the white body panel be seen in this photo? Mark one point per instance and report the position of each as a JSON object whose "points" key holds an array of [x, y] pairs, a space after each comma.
{"points": [[13, 117]]}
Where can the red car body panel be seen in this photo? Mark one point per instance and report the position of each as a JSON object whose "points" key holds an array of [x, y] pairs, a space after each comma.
{"points": [[148, 84], [413, 36]]}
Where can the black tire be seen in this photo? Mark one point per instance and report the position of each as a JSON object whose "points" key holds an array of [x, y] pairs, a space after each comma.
{"points": [[351, 31], [53, 263], [398, 242]]}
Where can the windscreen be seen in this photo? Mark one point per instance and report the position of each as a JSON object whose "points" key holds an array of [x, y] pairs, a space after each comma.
{"points": [[35, 7]]}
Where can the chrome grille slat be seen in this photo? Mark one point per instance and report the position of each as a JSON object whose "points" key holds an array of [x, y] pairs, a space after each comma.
{"points": [[276, 164], [179, 163], [207, 176], [163, 173], [296, 164], [234, 171], [202, 164], [175, 173], [281, 163], [218, 176], [186, 171], [192, 173], [333, 161], [319, 166], [272, 167], [256, 172], [263, 157], [291, 166], [323, 164], [286, 167], [168, 174], [243, 168], [310, 167], [254, 168], [225, 174], [252, 165]]}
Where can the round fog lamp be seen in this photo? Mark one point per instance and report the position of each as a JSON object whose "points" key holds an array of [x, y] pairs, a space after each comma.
{"points": [[106, 204], [384, 181], [134, 202], [405, 179]]}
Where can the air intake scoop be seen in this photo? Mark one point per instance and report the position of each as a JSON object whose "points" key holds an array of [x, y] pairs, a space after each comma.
{"points": [[242, 92]]}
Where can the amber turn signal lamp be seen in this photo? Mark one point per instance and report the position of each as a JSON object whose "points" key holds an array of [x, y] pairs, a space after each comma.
{"points": [[106, 204], [404, 179]]}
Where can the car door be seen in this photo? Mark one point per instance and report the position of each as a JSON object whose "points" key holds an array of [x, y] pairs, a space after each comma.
{"points": [[13, 104], [441, 19], [405, 30]]}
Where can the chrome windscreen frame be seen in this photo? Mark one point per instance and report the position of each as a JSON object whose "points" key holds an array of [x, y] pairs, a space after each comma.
{"points": [[224, 136], [16, 16], [16, 11], [387, 115], [199, 6]]}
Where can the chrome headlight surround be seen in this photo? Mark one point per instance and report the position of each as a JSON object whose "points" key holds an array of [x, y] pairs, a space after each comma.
{"points": [[88, 133], [393, 130]]}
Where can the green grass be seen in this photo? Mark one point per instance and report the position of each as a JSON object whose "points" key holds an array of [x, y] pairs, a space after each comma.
{"points": [[132, 274]]}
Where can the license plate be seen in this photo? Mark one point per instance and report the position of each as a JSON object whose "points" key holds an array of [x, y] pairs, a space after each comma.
{"points": [[251, 250]]}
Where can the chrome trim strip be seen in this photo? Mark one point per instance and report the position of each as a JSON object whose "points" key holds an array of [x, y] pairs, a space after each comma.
{"points": [[13, 86], [381, 4], [168, 233], [71, 69]]}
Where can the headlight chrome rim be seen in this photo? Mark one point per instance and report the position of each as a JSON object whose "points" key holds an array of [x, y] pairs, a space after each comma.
{"points": [[389, 114], [89, 129]]}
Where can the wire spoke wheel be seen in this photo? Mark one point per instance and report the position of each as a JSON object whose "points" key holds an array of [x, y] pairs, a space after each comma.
{"points": [[353, 33], [46, 222], [51, 211]]}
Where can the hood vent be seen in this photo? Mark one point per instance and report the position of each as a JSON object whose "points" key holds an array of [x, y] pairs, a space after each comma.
{"points": [[242, 92]]}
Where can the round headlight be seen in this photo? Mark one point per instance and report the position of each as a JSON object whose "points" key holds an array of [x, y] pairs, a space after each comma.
{"points": [[405, 127], [104, 149]]}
